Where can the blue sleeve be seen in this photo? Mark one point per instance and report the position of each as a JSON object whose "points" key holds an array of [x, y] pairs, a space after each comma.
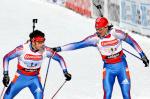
{"points": [[89, 41], [134, 44], [11, 55], [128, 39]]}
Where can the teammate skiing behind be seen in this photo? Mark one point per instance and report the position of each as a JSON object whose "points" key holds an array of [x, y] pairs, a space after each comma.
{"points": [[108, 41], [30, 56]]}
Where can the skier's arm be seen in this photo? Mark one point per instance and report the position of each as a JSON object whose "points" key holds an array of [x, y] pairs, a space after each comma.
{"points": [[11, 55], [135, 45], [128, 39], [60, 60], [89, 41], [57, 57]]}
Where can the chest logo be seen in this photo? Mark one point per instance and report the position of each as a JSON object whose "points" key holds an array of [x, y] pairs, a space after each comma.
{"points": [[109, 43], [33, 57]]}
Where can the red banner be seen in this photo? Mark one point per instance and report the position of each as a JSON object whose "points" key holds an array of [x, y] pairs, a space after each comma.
{"points": [[80, 6]]}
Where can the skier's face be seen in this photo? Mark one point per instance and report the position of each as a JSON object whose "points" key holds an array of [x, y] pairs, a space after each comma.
{"points": [[102, 31], [37, 45]]}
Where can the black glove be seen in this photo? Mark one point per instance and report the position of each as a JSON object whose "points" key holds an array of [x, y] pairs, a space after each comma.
{"points": [[98, 6], [145, 61], [110, 27], [67, 75], [6, 79], [56, 49]]}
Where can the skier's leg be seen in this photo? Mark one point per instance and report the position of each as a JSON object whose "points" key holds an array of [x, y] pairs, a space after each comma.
{"points": [[36, 88], [14, 88], [124, 82], [108, 82]]}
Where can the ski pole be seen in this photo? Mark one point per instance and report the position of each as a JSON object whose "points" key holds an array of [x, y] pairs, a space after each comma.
{"points": [[47, 71], [132, 54], [2, 92], [99, 7], [34, 21], [58, 89]]}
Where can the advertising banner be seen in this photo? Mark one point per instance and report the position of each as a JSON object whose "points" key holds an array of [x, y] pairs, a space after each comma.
{"points": [[80, 6], [135, 16], [113, 10]]}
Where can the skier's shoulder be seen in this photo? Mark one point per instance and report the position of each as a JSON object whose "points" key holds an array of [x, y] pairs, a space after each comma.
{"points": [[117, 30], [92, 36], [18, 48]]}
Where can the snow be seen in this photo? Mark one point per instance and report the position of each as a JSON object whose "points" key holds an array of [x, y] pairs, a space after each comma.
{"points": [[63, 26]]}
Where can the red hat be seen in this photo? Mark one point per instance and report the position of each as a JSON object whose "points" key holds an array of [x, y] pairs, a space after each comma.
{"points": [[101, 22]]}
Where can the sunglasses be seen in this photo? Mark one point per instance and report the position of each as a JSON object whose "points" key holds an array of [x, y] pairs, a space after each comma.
{"points": [[100, 29]]}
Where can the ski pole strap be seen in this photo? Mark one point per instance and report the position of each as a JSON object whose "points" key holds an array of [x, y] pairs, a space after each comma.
{"points": [[58, 89], [132, 54]]}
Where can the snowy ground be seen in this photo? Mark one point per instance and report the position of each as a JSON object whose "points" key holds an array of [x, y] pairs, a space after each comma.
{"points": [[63, 26]]}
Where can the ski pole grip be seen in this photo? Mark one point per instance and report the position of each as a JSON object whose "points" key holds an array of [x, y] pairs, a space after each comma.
{"points": [[35, 20]]}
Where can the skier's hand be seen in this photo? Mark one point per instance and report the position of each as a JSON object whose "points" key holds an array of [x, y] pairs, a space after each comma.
{"points": [[110, 27], [6, 79], [145, 61], [98, 6], [56, 49], [67, 75]]}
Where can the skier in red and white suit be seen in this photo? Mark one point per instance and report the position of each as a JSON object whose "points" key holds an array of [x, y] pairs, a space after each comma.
{"points": [[30, 56], [108, 41]]}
